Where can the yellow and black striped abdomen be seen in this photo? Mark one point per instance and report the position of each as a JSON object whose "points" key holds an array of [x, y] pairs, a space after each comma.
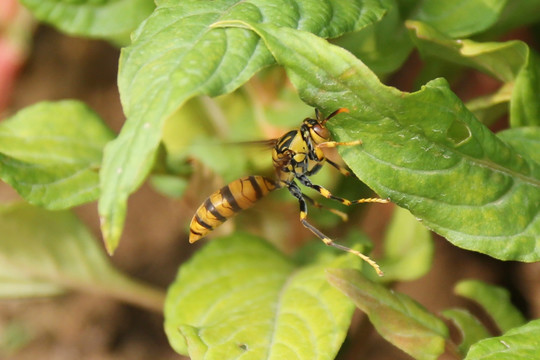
{"points": [[227, 202]]}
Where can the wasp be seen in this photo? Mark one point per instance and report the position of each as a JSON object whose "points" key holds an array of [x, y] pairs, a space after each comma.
{"points": [[296, 156]]}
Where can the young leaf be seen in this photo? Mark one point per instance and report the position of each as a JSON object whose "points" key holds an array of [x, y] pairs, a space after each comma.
{"points": [[490, 108], [177, 55], [239, 297], [526, 141], [460, 18], [521, 343], [496, 301], [398, 318], [524, 107], [469, 326], [502, 60], [51, 152], [43, 253], [107, 19], [408, 248], [511, 62]]}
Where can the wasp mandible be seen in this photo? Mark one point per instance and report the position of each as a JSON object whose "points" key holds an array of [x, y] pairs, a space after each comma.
{"points": [[296, 156]]}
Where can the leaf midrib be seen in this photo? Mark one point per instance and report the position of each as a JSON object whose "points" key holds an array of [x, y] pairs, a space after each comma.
{"points": [[273, 331], [475, 161]]}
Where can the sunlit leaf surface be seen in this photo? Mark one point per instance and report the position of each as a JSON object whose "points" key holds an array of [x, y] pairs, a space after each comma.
{"points": [[521, 343], [51, 152], [240, 298]]}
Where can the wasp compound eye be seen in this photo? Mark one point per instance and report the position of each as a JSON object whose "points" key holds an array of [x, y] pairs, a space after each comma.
{"points": [[321, 131]]}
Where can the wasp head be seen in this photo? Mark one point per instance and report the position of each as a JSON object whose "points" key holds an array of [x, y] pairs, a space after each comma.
{"points": [[317, 127]]}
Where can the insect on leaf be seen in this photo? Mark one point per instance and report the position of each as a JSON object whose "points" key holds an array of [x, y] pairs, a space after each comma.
{"points": [[176, 55], [424, 150]]}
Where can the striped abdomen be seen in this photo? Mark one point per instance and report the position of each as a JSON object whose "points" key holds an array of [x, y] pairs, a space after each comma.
{"points": [[227, 202]]}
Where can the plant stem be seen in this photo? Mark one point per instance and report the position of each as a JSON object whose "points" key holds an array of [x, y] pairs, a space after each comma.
{"points": [[137, 293]]}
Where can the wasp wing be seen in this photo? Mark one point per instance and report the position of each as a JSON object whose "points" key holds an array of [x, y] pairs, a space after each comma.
{"points": [[265, 144]]}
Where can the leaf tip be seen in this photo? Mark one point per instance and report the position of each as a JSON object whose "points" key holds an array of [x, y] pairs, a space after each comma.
{"points": [[110, 236]]}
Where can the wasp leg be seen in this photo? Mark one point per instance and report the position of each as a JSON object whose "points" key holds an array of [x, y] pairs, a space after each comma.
{"points": [[297, 193], [333, 144], [327, 194], [340, 168], [341, 214]]}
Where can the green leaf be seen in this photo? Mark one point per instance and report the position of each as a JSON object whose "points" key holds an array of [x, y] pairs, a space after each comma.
{"points": [[239, 297], [398, 318], [496, 301], [177, 54], [511, 62], [470, 328], [516, 13], [408, 248], [169, 185], [524, 106], [521, 343], [526, 141], [502, 60], [383, 45], [424, 150], [460, 18], [44, 253], [224, 160], [51, 152], [107, 19], [16, 334], [490, 108]]}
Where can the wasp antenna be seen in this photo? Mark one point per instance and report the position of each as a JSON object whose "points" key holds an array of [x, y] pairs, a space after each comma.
{"points": [[338, 111]]}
